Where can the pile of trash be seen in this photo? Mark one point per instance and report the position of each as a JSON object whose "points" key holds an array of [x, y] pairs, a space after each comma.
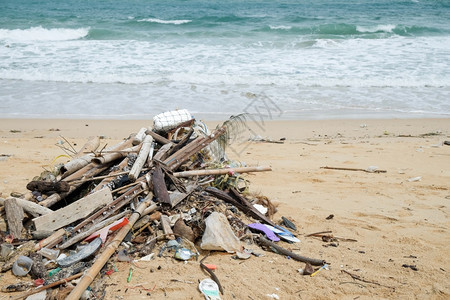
{"points": [[169, 188]]}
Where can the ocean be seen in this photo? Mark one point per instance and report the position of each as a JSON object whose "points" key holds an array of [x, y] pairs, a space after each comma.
{"points": [[284, 59]]}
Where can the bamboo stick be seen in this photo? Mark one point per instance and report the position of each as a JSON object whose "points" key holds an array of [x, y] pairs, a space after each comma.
{"points": [[112, 156], [109, 250], [141, 159], [221, 171]]}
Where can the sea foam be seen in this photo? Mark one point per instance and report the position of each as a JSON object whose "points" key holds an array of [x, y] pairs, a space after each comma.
{"points": [[43, 34]]}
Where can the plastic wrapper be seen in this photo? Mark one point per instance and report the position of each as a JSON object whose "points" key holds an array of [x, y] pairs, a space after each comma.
{"points": [[218, 234]]}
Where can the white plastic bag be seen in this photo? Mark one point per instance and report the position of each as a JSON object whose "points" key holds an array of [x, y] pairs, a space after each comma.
{"points": [[218, 234], [170, 119]]}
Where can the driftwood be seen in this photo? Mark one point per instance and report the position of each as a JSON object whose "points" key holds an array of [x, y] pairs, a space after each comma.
{"points": [[141, 159], [48, 186], [280, 250], [74, 211], [109, 250], [30, 207], [14, 217], [221, 171]]}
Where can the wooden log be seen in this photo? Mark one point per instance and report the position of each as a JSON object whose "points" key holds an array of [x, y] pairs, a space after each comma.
{"points": [[165, 224], [221, 171], [91, 171], [141, 159], [73, 212], [14, 217], [159, 185], [30, 207], [48, 186], [160, 139], [139, 137], [92, 272]]}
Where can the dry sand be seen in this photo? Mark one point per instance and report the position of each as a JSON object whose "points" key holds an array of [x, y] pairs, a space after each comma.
{"points": [[395, 221]]}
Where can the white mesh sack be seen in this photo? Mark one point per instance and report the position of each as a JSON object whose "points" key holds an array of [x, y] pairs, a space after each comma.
{"points": [[170, 119]]}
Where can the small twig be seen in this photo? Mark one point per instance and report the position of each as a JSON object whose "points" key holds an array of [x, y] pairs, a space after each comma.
{"points": [[357, 277], [211, 273], [319, 234], [354, 169], [352, 282], [73, 149]]}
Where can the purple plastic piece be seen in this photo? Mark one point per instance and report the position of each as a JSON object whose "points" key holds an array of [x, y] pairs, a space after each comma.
{"points": [[269, 233]]}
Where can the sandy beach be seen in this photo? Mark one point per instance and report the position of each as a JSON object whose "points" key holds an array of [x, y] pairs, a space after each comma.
{"points": [[397, 218]]}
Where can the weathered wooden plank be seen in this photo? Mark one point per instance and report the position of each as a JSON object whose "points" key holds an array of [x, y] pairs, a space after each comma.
{"points": [[14, 217], [73, 212]]}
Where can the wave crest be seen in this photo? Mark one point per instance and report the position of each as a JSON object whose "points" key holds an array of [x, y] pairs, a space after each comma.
{"points": [[376, 28], [43, 34], [174, 22]]}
